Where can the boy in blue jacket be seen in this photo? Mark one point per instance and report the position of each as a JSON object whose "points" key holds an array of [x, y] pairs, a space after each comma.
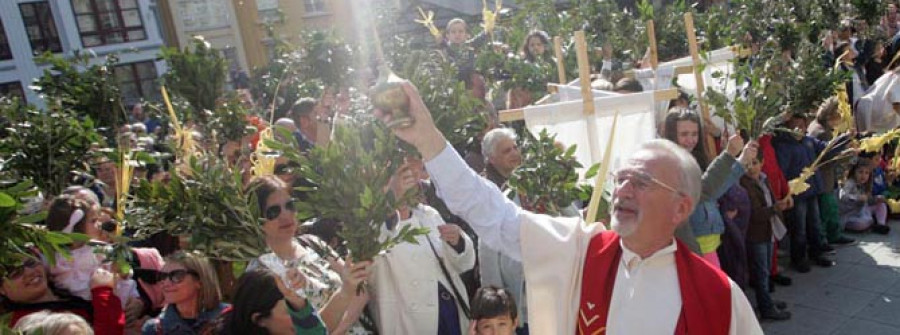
{"points": [[795, 152]]}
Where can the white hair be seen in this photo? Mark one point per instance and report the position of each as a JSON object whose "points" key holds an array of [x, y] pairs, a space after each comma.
{"points": [[285, 122], [489, 143], [84, 193], [49, 323], [689, 170]]}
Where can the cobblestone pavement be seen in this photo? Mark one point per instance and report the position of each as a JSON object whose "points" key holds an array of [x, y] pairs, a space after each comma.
{"points": [[861, 295]]}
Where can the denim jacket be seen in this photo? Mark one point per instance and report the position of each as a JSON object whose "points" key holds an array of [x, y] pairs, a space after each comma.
{"points": [[171, 323], [721, 174]]}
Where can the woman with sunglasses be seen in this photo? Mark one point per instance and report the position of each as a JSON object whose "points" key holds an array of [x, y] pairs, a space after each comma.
{"points": [[264, 305], [330, 283], [193, 299], [26, 289]]}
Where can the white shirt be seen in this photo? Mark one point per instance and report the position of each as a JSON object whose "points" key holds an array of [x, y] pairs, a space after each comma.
{"points": [[885, 93], [645, 287], [405, 280], [74, 274], [553, 250]]}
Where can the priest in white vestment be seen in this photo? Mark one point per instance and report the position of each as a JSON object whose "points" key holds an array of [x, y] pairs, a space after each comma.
{"points": [[655, 192]]}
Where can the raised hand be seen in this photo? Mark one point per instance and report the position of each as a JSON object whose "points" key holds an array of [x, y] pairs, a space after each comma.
{"points": [[289, 286], [352, 274], [735, 144], [422, 133], [751, 149], [102, 278], [403, 180]]}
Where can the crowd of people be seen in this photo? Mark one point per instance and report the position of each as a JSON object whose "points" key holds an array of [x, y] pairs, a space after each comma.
{"points": [[689, 233]]}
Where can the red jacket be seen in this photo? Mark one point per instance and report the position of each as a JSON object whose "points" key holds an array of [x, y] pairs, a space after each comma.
{"points": [[777, 183]]}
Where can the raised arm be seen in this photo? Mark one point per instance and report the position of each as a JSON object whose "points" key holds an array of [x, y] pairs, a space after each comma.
{"points": [[726, 170], [477, 201]]}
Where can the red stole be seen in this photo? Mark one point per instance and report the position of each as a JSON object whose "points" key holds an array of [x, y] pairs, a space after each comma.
{"points": [[705, 290]]}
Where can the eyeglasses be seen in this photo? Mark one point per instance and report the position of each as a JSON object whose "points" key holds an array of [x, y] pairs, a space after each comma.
{"points": [[19, 271], [640, 180], [175, 276], [272, 212]]}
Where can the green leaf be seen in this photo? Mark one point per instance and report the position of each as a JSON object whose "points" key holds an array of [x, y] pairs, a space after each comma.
{"points": [[6, 200], [592, 171], [33, 218], [366, 199]]}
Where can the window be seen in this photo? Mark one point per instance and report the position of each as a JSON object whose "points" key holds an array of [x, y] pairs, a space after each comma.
{"points": [[314, 6], [137, 81], [268, 11], [266, 4], [12, 89], [102, 22], [41, 28], [270, 16], [5, 51], [230, 54], [199, 15]]}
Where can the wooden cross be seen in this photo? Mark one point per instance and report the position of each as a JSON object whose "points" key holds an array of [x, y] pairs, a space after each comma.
{"points": [[710, 143]]}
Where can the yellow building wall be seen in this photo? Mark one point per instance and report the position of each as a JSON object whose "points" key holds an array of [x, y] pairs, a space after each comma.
{"points": [[252, 32], [337, 15], [168, 24]]}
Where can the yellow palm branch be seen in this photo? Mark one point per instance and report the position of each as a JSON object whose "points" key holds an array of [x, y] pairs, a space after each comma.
{"points": [[875, 143], [263, 159], [123, 184], [844, 110], [428, 21], [490, 17], [799, 185], [184, 139]]}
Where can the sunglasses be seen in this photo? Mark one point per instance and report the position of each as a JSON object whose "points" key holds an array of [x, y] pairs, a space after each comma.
{"points": [[175, 276], [19, 271], [149, 276], [281, 169], [272, 212]]}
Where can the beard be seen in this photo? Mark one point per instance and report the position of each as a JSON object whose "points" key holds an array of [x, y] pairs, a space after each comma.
{"points": [[627, 225]]}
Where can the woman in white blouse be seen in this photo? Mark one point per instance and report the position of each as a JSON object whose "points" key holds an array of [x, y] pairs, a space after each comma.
{"points": [[330, 285], [412, 294]]}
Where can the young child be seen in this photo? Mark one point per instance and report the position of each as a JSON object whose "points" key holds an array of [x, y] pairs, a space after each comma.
{"points": [[494, 312], [458, 48], [860, 210], [457, 32], [765, 211], [70, 215]]}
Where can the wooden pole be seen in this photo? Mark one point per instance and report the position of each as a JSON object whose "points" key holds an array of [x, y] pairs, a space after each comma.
{"points": [[698, 77], [584, 72], [560, 62], [654, 55], [600, 180]]}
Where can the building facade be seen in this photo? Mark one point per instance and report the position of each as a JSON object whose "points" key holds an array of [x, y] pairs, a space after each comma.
{"points": [[239, 27], [127, 28], [289, 19], [217, 21]]}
